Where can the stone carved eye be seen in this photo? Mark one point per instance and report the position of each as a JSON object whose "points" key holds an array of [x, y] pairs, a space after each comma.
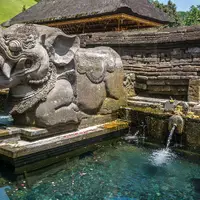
{"points": [[15, 46], [28, 63]]}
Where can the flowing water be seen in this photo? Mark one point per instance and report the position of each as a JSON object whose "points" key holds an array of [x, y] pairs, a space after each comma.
{"points": [[122, 172], [170, 136], [138, 136], [130, 137], [164, 156]]}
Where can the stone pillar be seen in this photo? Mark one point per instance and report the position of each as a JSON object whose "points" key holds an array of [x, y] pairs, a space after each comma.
{"points": [[194, 90]]}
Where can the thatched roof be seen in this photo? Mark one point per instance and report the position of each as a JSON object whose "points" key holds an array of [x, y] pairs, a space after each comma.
{"points": [[60, 10]]}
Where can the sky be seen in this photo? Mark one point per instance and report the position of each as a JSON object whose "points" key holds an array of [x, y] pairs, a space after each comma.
{"points": [[183, 5]]}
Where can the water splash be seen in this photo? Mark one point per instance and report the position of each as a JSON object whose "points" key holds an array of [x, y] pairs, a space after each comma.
{"points": [[164, 156]]}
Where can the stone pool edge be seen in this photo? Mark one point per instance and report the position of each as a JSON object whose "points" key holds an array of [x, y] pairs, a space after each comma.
{"points": [[25, 153]]}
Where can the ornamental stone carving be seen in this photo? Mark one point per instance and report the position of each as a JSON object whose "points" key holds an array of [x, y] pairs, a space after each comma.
{"points": [[53, 81]]}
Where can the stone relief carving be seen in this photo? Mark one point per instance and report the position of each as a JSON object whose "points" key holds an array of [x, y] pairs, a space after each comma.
{"points": [[129, 83], [53, 81]]}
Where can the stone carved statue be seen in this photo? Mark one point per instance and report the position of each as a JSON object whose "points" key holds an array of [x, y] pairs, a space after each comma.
{"points": [[53, 81]]}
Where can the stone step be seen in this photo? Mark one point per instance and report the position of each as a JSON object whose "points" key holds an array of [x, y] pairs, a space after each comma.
{"points": [[144, 104], [4, 133], [167, 82], [163, 89], [149, 101], [9, 132], [180, 73], [169, 70], [172, 77], [173, 66]]}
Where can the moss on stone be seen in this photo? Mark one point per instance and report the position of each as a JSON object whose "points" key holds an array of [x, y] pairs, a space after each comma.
{"points": [[160, 112], [147, 110], [4, 133], [115, 124], [2, 182]]}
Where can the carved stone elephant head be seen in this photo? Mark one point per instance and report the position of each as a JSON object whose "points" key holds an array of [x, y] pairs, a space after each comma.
{"points": [[27, 50], [53, 81]]}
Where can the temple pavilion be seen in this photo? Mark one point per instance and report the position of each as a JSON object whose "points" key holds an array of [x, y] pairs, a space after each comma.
{"points": [[83, 16]]}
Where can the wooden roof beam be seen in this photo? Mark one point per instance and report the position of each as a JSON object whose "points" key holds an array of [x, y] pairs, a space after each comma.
{"points": [[100, 27], [103, 18]]}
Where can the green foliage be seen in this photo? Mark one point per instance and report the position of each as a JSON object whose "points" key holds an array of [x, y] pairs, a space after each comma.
{"points": [[170, 9], [183, 16], [193, 16], [23, 8], [10, 8]]}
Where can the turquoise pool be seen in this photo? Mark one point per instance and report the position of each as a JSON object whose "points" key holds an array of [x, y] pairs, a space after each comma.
{"points": [[122, 172]]}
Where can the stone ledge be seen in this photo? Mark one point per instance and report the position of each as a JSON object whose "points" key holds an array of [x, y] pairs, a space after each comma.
{"points": [[153, 37], [34, 133], [157, 100], [9, 132], [24, 148]]}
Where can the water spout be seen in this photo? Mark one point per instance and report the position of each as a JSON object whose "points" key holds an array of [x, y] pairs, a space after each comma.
{"points": [[179, 122], [170, 136]]}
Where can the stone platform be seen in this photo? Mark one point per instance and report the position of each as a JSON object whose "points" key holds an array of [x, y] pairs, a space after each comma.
{"points": [[31, 155]]}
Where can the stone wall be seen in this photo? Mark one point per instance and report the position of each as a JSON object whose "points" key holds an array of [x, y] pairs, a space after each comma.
{"points": [[158, 63], [157, 128]]}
